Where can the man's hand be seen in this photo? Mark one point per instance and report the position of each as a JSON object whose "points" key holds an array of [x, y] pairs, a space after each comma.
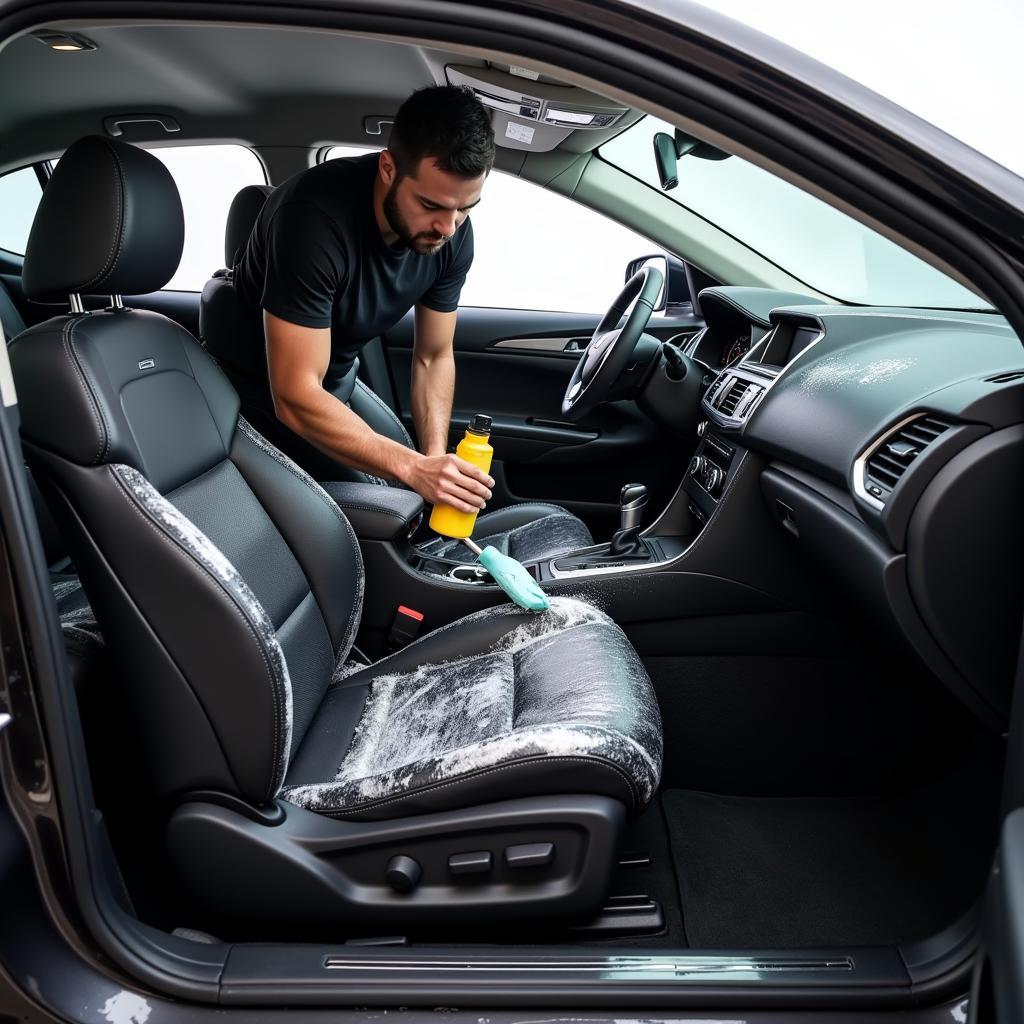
{"points": [[449, 480]]}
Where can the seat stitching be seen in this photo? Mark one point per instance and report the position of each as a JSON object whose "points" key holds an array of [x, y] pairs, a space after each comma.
{"points": [[370, 508], [87, 386], [233, 604], [118, 223], [480, 773]]}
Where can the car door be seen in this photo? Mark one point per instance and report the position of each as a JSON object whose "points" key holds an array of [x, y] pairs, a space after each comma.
{"points": [[997, 989], [544, 272]]}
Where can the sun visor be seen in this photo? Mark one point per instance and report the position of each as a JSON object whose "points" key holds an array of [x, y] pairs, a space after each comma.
{"points": [[530, 112]]}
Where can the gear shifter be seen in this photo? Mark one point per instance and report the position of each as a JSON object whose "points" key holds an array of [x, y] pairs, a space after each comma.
{"points": [[625, 545], [626, 539]]}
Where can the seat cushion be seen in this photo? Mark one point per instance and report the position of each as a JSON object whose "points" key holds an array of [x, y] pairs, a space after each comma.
{"points": [[528, 532], [500, 704]]}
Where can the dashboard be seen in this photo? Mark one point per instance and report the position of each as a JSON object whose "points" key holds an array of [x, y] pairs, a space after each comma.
{"points": [[889, 444], [736, 319]]}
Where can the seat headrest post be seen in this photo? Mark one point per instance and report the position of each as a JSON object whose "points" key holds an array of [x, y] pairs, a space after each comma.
{"points": [[75, 301]]}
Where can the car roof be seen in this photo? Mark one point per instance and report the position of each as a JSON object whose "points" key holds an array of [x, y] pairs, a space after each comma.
{"points": [[263, 86]]}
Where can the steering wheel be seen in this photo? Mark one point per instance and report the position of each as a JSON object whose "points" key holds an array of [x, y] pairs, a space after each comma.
{"points": [[608, 352]]}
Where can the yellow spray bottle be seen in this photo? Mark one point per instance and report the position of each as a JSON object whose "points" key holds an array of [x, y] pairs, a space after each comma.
{"points": [[509, 574], [475, 448]]}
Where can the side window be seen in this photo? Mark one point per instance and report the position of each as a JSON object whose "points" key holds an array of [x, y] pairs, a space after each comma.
{"points": [[20, 192], [535, 249], [208, 178]]}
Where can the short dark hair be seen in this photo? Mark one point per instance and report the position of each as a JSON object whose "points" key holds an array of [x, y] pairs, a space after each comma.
{"points": [[448, 123]]}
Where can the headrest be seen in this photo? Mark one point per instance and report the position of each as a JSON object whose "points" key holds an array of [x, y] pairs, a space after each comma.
{"points": [[245, 208], [110, 221]]}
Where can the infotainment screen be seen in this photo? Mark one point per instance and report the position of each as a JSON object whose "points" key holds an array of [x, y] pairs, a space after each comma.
{"points": [[803, 337]]}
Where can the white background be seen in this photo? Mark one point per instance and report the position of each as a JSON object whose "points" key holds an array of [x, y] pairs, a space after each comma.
{"points": [[956, 63]]}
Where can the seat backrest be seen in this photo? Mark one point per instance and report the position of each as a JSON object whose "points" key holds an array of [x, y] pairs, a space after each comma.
{"points": [[242, 214], [227, 583]]}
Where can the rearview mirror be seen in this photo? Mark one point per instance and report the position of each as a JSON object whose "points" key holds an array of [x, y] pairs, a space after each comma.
{"points": [[669, 149]]}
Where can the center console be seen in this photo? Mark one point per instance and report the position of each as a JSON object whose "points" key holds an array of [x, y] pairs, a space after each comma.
{"points": [[729, 403]]}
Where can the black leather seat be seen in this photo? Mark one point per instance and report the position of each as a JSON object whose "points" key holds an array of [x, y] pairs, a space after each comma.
{"points": [[229, 585], [527, 530]]}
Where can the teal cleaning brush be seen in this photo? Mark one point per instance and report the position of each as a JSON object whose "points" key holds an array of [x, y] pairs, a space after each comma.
{"points": [[511, 576]]}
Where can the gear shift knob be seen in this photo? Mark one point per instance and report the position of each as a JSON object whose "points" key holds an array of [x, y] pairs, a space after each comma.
{"points": [[632, 502]]}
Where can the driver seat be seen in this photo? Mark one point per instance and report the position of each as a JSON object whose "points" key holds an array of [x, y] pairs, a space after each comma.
{"points": [[527, 531], [482, 772]]}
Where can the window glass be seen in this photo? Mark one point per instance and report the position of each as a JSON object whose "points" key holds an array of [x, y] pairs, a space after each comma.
{"points": [[805, 236], [19, 197], [536, 249], [208, 178]]}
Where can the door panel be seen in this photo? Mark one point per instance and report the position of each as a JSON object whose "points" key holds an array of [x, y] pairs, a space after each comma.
{"points": [[997, 992], [515, 365]]}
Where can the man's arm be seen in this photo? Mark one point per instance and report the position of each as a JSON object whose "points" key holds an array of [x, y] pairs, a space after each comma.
{"points": [[433, 378], [297, 360]]}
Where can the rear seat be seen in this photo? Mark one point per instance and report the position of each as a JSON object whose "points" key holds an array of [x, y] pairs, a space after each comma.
{"points": [[82, 636]]}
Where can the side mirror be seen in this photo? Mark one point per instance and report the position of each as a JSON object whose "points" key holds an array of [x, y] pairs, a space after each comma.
{"points": [[675, 292], [669, 149], [661, 262]]}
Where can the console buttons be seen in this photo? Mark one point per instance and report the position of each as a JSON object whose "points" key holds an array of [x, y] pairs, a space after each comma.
{"points": [[403, 873], [475, 863], [530, 855], [714, 481]]}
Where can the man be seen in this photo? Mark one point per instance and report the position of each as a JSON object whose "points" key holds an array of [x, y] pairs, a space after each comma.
{"points": [[341, 252]]}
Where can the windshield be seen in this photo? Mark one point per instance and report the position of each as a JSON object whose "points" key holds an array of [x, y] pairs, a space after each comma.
{"points": [[827, 250]]}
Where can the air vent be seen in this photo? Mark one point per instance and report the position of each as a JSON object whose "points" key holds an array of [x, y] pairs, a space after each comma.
{"points": [[732, 398], [715, 389], [1005, 378], [893, 456], [739, 398]]}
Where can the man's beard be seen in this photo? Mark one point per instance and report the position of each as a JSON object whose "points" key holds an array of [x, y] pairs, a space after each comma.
{"points": [[426, 243]]}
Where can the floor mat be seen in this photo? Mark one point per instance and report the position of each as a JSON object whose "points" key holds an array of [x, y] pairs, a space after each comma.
{"points": [[790, 873]]}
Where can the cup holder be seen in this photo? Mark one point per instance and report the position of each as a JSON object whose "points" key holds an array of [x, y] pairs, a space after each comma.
{"points": [[469, 574]]}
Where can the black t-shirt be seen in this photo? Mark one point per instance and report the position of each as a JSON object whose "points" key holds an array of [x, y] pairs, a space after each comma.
{"points": [[316, 258]]}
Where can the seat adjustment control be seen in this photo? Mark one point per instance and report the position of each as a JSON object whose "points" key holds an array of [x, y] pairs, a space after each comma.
{"points": [[475, 863], [403, 873], [530, 855]]}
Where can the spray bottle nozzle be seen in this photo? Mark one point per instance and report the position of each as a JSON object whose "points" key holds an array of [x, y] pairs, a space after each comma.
{"points": [[481, 424]]}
